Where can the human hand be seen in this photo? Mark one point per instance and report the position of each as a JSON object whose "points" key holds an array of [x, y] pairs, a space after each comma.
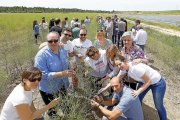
{"points": [[135, 93], [61, 44], [53, 103], [100, 82], [98, 99], [94, 104], [136, 61], [68, 73]]}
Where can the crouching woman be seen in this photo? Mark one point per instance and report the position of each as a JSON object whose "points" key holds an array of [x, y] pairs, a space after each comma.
{"points": [[19, 104], [147, 78]]}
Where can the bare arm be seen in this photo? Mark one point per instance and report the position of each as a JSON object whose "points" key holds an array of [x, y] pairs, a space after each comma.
{"points": [[147, 83], [111, 115], [25, 111]]}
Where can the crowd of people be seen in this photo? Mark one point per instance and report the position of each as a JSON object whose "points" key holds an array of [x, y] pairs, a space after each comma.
{"points": [[116, 57]]}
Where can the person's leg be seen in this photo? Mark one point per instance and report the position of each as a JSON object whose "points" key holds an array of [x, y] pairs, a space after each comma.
{"points": [[141, 96], [47, 98], [158, 91]]}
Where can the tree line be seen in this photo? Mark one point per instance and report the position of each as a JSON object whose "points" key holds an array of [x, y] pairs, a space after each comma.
{"points": [[22, 9]]}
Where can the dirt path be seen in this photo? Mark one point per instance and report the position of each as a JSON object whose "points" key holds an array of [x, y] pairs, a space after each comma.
{"points": [[162, 30], [171, 99]]}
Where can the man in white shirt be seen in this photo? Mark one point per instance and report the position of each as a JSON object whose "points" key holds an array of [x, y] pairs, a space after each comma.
{"points": [[81, 44], [141, 37]]}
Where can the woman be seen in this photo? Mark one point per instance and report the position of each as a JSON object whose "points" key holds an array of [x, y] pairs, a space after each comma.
{"points": [[132, 53], [148, 78], [101, 42], [19, 104], [36, 30], [97, 60]]}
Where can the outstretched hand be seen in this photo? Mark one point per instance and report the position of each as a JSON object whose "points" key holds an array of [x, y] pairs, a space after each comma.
{"points": [[53, 103], [135, 93]]}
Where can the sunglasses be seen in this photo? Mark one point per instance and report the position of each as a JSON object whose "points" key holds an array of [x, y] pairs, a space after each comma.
{"points": [[53, 41], [35, 79], [82, 34], [92, 55], [67, 35]]}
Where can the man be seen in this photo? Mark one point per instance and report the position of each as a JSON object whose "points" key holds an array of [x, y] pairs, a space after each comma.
{"points": [[52, 60], [122, 28], [75, 31], [128, 107], [141, 37], [81, 44], [109, 29], [65, 41], [56, 28]]}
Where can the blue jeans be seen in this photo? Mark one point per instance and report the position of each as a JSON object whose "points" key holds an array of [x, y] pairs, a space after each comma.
{"points": [[158, 90]]}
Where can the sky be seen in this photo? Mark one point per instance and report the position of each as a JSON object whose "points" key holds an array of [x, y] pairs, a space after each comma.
{"points": [[109, 5]]}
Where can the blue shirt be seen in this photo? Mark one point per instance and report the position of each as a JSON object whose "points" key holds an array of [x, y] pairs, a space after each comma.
{"points": [[129, 105], [36, 29], [50, 63]]}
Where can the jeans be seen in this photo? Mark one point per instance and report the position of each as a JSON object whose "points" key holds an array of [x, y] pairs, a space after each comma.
{"points": [[120, 33], [158, 90]]}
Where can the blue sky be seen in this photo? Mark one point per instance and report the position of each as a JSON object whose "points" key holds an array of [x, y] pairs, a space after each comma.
{"points": [[121, 5]]}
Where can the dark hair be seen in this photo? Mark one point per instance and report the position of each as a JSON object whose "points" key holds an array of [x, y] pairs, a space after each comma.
{"points": [[119, 57], [34, 23], [31, 74], [66, 18], [138, 21], [67, 29], [57, 21], [51, 23], [91, 49]]}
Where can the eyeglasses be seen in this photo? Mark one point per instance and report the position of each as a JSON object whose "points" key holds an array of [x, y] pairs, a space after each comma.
{"points": [[53, 41], [35, 79], [82, 34], [67, 35]]}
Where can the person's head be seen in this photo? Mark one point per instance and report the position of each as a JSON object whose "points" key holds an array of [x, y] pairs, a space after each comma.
{"points": [[139, 27], [35, 23], [31, 78], [121, 62], [66, 34], [100, 35], [111, 51], [57, 21], [66, 18], [43, 20], [51, 23], [93, 53], [116, 84], [53, 41], [83, 34], [127, 39], [137, 22]]}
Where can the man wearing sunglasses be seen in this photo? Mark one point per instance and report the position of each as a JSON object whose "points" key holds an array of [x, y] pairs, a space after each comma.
{"points": [[65, 41], [81, 44], [52, 60]]}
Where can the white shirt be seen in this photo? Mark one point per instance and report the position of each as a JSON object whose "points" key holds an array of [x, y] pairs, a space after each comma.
{"points": [[138, 70], [141, 37], [18, 96], [81, 47], [100, 67], [68, 46]]}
